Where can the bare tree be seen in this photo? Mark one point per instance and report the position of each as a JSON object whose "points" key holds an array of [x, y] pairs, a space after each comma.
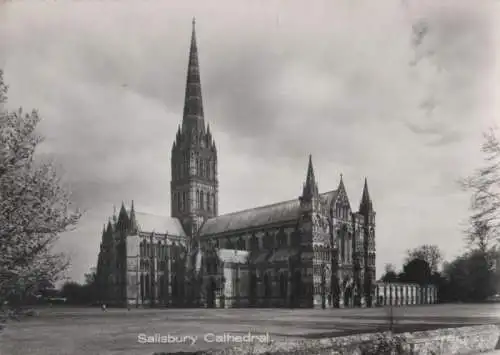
{"points": [[484, 185], [480, 237], [35, 206], [429, 253]]}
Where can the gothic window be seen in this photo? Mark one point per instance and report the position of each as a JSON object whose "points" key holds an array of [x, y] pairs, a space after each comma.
{"points": [[254, 243], [266, 241], [281, 238], [208, 201], [283, 284], [213, 202], [202, 168], [340, 233], [209, 169], [295, 238], [242, 244], [350, 249], [202, 204], [184, 200]]}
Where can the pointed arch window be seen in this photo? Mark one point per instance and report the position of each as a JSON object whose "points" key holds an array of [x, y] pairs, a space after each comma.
{"points": [[254, 243], [341, 235], [208, 201], [141, 249], [158, 250], [197, 198], [202, 204], [241, 244]]}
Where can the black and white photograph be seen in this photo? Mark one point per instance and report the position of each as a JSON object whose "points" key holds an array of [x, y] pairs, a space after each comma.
{"points": [[249, 177]]}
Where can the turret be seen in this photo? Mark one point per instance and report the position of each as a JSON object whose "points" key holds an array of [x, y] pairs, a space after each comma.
{"points": [[309, 199], [123, 220], [133, 228]]}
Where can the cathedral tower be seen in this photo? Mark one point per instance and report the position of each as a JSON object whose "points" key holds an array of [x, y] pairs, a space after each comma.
{"points": [[194, 184]]}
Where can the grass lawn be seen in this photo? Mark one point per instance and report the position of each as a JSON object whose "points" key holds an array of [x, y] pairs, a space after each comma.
{"points": [[67, 331]]}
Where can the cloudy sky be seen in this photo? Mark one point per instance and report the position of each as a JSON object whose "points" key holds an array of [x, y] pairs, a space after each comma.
{"points": [[398, 92]]}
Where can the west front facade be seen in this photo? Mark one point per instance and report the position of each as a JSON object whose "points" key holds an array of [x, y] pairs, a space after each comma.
{"points": [[314, 250]]}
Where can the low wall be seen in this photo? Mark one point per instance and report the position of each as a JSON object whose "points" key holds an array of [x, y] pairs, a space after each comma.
{"points": [[464, 340]]}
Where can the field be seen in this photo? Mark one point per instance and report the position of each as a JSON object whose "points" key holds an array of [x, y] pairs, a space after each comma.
{"points": [[87, 331]]}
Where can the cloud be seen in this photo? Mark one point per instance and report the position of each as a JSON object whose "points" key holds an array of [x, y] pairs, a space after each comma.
{"points": [[348, 82]]}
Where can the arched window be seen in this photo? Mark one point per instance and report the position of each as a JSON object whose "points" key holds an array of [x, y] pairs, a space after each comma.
{"points": [[267, 285], [202, 204], [208, 202], [214, 202], [342, 244], [209, 169], [254, 243], [147, 286], [241, 244], [283, 285], [202, 168], [266, 241]]}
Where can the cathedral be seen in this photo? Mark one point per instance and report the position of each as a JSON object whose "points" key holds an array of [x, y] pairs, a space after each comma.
{"points": [[314, 250]]}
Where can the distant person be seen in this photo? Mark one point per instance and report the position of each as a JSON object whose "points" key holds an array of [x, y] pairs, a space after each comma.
{"points": [[103, 307]]}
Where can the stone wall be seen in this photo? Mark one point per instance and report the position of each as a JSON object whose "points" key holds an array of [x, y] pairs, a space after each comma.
{"points": [[464, 340]]}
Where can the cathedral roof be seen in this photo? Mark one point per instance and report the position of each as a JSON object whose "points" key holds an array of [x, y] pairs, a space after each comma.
{"points": [[159, 224], [259, 216], [330, 196], [286, 211]]}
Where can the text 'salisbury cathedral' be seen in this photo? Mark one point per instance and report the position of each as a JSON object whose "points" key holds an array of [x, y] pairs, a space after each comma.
{"points": [[310, 251]]}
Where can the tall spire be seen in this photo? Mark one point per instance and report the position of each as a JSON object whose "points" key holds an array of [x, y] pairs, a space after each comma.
{"points": [[366, 201], [193, 105], [310, 187], [133, 221], [115, 218]]}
